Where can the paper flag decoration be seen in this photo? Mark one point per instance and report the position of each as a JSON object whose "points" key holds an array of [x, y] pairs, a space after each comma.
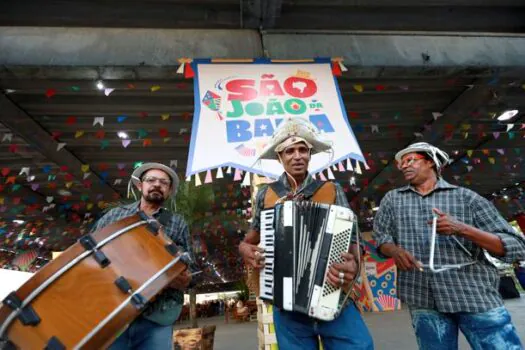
{"points": [[197, 180], [246, 182], [24, 170], [146, 142], [84, 168], [155, 88], [5, 171], [108, 92], [219, 173], [117, 182], [358, 168], [237, 175], [208, 179], [509, 127], [49, 199], [358, 87], [163, 132], [35, 187], [321, 176], [71, 120], [349, 166], [340, 166], [7, 137], [50, 93], [436, 115], [229, 170], [100, 134], [125, 143], [121, 118], [188, 178], [165, 116], [79, 134], [98, 120], [86, 175]]}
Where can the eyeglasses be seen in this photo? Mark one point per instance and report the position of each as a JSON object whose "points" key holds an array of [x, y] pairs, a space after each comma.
{"points": [[150, 180], [408, 161]]}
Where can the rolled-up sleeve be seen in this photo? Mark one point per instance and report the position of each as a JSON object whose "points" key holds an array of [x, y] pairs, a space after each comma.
{"points": [[384, 222], [487, 218]]}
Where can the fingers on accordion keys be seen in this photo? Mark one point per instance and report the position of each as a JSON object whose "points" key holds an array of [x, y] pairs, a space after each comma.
{"points": [[341, 275]]}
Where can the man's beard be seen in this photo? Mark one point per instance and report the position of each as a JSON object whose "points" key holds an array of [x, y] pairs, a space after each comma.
{"points": [[154, 197]]}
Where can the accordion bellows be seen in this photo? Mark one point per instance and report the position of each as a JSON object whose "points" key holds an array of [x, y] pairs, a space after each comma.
{"points": [[301, 240]]}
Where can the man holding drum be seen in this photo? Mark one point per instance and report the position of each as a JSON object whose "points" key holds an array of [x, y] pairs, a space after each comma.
{"points": [[292, 144], [154, 328], [461, 292]]}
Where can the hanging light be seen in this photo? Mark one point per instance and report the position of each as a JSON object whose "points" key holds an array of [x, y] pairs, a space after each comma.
{"points": [[507, 115], [100, 85]]}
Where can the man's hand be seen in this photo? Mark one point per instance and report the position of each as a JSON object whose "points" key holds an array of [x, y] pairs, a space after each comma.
{"points": [[446, 224], [341, 275], [405, 261], [181, 281], [252, 254]]}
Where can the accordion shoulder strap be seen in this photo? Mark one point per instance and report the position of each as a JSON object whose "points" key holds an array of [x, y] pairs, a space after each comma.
{"points": [[316, 191]]}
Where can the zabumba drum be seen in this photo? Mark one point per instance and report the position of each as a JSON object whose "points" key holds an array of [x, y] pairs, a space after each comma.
{"points": [[92, 291]]}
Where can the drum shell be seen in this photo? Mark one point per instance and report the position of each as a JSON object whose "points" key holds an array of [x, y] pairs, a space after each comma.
{"points": [[81, 298]]}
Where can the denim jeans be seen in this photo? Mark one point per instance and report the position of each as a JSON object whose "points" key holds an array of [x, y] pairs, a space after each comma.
{"points": [[492, 329], [144, 334], [299, 332]]}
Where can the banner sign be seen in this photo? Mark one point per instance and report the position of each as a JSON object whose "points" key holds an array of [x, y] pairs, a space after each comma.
{"points": [[239, 105]]}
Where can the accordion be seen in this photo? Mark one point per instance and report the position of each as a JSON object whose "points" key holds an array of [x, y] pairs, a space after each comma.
{"points": [[301, 240]]}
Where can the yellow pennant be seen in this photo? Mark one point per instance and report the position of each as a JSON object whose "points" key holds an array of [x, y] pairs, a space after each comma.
{"points": [[358, 87], [69, 184], [2, 200], [155, 88], [492, 160], [89, 206], [79, 133], [85, 168], [469, 152], [101, 204], [165, 116], [466, 127], [166, 139]]}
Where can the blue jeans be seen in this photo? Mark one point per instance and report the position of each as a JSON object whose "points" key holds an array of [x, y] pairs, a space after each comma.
{"points": [[144, 334], [299, 332], [492, 329]]}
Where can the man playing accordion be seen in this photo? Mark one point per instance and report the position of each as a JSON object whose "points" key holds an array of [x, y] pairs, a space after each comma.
{"points": [[293, 144]]}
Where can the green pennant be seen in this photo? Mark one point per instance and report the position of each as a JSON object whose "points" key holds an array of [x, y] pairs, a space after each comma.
{"points": [[511, 135], [142, 133], [84, 197], [104, 144], [15, 187], [75, 88], [137, 164]]}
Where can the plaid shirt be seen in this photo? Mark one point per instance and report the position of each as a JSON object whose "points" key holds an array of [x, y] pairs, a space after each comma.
{"points": [[340, 197], [175, 228], [402, 219]]}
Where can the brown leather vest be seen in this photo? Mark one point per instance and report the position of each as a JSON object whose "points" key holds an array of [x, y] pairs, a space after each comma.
{"points": [[325, 194]]}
